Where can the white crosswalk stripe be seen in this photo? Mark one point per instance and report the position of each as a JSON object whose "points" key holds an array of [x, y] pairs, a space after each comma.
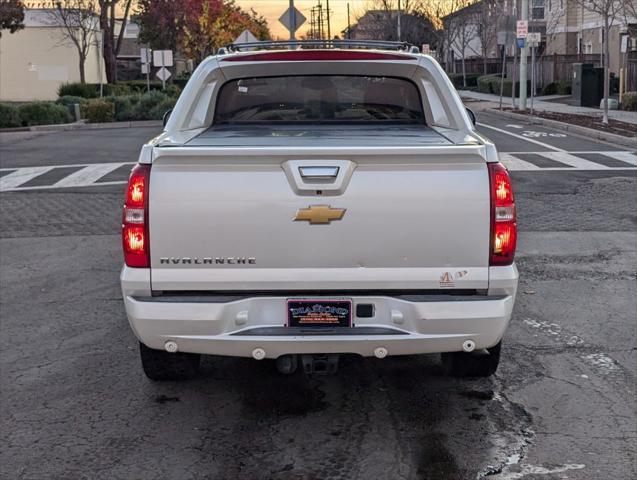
{"points": [[89, 175], [513, 163], [574, 161], [20, 177], [627, 157]]}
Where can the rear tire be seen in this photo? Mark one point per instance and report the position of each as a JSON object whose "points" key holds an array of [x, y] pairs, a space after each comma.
{"points": [[475, 364], [161, 366]]}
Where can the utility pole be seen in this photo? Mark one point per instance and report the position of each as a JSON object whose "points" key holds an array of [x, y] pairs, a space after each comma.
{"points": [[329, 32], [399, 21], [292, 19], [524, 14]]}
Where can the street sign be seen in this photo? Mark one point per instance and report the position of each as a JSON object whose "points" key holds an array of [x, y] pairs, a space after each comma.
{"points": [[163, 74], [521, 42], [286, 19], [624, 44], [534, 39], [145, 55], [522, 29], [245, 37], [145, 68], [426, 50], [163, 58]]}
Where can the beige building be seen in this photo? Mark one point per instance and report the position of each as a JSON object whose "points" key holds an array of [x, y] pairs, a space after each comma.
{"points": [[36, 60]]}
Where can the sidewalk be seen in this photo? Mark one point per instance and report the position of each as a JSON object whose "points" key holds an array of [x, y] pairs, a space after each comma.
{"points": [[540, 103]]}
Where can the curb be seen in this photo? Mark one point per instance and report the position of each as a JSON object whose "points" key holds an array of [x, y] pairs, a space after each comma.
{"points": [[567, 127], [81, 125]]}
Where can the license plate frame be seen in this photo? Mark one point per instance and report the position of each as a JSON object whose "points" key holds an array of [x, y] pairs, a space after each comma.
{"points": [[319, 313]]}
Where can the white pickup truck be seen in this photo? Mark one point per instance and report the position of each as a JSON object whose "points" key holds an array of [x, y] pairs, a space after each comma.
{"points": [[303, 203]]}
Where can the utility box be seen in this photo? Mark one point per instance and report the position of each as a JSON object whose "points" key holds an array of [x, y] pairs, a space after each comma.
{"points": [[588, 84]]}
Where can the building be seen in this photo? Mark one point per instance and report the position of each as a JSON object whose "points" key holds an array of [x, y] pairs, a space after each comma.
{"points": [[36, 60], [383, 25]]}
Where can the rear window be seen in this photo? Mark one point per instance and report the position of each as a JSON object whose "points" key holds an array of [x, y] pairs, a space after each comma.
{"points": [[319, 99]]}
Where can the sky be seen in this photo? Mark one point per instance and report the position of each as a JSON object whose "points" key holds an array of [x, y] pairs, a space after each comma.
{"points": [[273, 9]]}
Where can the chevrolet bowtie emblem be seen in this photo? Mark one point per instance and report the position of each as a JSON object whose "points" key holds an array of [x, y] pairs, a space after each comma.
{"points": [[319, 214]]}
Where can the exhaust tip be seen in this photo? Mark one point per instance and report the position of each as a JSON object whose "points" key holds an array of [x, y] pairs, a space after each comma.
{"points": [[469, 346], [171, 347], [258, 354], [380, 352]]}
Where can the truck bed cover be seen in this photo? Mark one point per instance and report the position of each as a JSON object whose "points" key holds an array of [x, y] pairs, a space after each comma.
{"points": [[316, 136]]}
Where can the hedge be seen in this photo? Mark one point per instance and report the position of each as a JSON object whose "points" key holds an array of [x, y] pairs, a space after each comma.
{"points": [[92, 90], [562, 87], [491, 84], [43, 113], [629, 101], [9, 116], [98, 111], [472, 79]]}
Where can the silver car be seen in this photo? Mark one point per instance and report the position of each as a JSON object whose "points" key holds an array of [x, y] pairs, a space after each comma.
{"points": [[303, 203]]}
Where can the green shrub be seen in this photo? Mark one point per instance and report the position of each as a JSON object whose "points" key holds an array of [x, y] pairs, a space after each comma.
{"points": [[150, 104], [125, 106], [99, 111], [84, 90], [550, 89], [117, 89], [564, 87], [629, 101], [472, 80], [43, 113], [173, 91], [485, 83], [69, 100], [9, 116]]}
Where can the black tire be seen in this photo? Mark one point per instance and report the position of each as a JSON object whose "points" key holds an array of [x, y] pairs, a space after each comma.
{"points": [[475, 364], [160, 365]]}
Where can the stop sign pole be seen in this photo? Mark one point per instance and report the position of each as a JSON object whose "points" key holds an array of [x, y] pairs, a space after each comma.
{"points": [[524, 11]]}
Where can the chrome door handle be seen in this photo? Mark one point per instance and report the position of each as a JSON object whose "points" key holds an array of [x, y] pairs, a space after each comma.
{"points": [[317, 173]]}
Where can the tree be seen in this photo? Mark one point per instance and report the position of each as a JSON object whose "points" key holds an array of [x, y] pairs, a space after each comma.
{"points": [[486, 15], [112, 44], [464, 26], [379, 21], [197, 28], [608, 10], [11, 15], [445, 32], [161, 23], [78, 19]]}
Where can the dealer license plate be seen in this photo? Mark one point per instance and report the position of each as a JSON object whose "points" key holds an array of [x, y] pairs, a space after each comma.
{"points": [[319, 313]]}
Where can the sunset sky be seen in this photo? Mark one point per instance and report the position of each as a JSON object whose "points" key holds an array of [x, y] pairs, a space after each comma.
{"points": [[273, 9]]}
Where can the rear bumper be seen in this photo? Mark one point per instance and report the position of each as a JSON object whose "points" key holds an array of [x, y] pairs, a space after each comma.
{"points": [[235, 327]]}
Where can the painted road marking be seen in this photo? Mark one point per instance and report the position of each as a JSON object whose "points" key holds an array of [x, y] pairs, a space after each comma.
{"points": [[574, 161], [87, 175], [514, 163], [627, 157], [21, 176], [103, 174], [520, 137]]}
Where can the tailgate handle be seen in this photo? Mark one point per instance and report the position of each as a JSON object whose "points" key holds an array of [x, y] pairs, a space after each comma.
{"points": [[319, 173]]}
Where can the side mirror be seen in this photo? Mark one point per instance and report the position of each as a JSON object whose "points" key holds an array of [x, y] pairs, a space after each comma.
{"points": [[472, 116], [167, 116]]}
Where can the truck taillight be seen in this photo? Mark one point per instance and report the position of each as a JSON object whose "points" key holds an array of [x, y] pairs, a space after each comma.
{"points": [[504, 230], [135, 233]]}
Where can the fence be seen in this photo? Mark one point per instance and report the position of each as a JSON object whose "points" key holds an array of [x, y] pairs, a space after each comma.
{"points": [[549, 68]]}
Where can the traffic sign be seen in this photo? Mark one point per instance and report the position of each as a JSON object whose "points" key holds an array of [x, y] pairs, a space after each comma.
{"points": [[245, 37], [522, 29], [163, 58], [145, 55], [163, 74], [534, 39], [426, 50], [145, 68], [521, 42], [286, 19]]}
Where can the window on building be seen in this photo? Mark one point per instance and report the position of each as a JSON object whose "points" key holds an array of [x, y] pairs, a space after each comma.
{"points": [[537, 9]]}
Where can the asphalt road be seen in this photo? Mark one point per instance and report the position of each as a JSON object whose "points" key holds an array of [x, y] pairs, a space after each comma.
{"points": [[75, 404]]}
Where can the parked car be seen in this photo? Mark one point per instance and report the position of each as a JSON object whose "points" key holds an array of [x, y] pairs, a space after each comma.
{"points": [[305, 203]]}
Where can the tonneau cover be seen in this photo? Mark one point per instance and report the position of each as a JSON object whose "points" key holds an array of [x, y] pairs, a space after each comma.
{"points": [[319, 135]]}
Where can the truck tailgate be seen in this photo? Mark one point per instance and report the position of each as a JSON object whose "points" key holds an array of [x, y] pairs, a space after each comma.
{"points": [[242, 218]]}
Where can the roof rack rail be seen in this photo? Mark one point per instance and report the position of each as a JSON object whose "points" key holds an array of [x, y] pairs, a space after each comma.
{"points": [[309, 44]]}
